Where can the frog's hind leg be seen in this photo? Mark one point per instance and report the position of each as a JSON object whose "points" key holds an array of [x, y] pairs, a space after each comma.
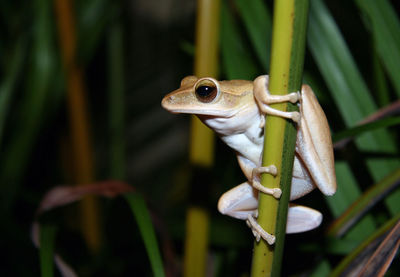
{"points": [[241, 202], [299, 219], [314, 144], [264, 99]]}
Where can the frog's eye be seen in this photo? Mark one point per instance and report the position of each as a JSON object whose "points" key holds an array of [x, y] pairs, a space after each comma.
{"points": [[206, 90]]}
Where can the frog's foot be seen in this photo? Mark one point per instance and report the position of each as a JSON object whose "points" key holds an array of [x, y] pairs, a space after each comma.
{"points": [[258, 231], [275, 192], [264, 99]]}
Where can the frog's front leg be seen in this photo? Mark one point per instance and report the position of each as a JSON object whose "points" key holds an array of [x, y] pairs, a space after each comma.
{"points": [[241, 200], [275, 192], [252, 172], [264, 99]]}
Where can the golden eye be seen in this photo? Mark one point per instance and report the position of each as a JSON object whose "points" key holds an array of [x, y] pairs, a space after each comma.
{"points": [[206, 91]]}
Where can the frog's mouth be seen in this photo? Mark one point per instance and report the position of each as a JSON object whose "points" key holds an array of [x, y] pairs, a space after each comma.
{"points": [[188, 105]]}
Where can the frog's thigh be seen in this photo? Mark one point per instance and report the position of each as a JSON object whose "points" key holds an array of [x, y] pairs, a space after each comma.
{"points": [[239, 202], [246, 166], [314, 143], [302, 183]]}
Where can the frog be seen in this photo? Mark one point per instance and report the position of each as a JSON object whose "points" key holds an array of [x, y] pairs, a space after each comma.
{"points": [[236, 111]]}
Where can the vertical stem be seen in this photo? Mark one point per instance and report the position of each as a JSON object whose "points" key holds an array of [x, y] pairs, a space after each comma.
{"points": [[47, 239], [287, 56], [79, 125], [116, 101], [201, 138]]}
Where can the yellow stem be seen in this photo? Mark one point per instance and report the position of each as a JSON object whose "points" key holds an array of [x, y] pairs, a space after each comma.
{"points": [[201, 138], [78, 120], [287, 54]]}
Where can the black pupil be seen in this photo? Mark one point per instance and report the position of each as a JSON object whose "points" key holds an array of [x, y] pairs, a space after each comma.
{"points": [[204, 91]]}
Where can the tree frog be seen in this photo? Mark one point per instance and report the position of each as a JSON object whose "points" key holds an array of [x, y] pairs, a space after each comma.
{"points": [[236, 111]]}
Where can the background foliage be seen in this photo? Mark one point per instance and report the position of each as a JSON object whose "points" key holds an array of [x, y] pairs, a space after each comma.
{"points": [[146, 47]]}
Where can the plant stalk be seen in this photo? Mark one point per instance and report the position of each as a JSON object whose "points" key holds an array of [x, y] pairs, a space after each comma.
{"points": [[287, 58], [201, 152]]}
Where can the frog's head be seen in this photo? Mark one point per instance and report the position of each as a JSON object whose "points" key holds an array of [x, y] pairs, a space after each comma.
{"points": [[209, 97]]}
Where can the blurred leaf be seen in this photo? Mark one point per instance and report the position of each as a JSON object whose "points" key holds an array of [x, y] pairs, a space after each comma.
{"points": [[342, 246], [337, 66], [342, 78], [62, 195], [142, 216], [7, 87], [47, 241], [367, 127], [344, 197], [236, 59], [382, 257], [390, 109], [349, 91], [92, 19], [43, 235], [257, 21], [381, 18], [356, 260], [364, 203], [322, 269], [380, 84], [32, 106]]}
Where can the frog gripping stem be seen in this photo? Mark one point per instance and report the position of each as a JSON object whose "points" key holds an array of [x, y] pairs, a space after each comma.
{"points": [[275, 192], [264, 99], [258, 231]]}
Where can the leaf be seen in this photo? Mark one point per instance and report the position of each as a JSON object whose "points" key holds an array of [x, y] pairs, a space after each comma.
{"points": [[31, 108], [344, 197], [236, 60], [381, 18], [349, 90], [7, 87], [257, 20], [43, 236], [364, 203], [63, 195], [367, 127], [381, 259], [92, 19], [142, 216], [356, 261], [391, 109]]}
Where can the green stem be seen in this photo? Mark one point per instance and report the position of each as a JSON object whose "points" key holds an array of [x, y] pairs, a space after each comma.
{"points": [[288, 43], [47, 241], [116, 100]]}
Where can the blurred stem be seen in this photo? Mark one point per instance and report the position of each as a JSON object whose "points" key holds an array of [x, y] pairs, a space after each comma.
{"points": [[287, 57], [116, 97], [201, 138], [79, 125], [47, 242], [8, 83]]}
